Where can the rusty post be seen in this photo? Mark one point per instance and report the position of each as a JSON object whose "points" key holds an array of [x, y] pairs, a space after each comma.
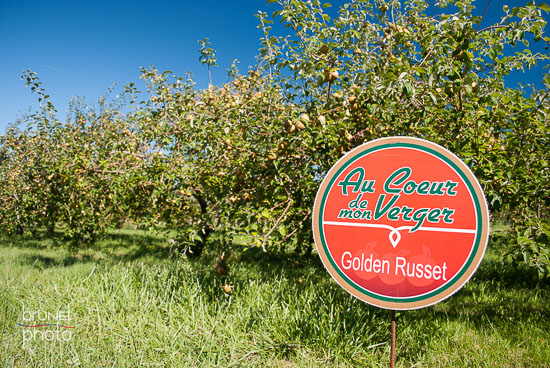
{"points": [[392, 352]]}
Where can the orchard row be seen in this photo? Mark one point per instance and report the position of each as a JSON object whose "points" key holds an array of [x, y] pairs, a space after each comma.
{"points": [[244, 160]]}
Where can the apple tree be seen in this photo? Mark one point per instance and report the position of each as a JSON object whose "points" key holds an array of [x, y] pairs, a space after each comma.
{"points": [[382, 68]]}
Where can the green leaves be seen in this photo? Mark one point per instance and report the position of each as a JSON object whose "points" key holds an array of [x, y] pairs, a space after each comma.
{"points": [[242, 160]]}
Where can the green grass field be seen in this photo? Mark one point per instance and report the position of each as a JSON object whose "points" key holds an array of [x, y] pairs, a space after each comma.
{"points": [[132, 304]]}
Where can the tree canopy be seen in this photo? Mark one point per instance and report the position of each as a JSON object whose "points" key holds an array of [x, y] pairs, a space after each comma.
{"points": [[242, 162]]}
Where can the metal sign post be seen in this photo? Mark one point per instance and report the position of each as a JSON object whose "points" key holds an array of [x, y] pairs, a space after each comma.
{"points": [[392, 348]]}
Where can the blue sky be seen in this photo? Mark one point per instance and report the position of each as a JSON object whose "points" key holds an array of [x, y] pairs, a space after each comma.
{"points": [[80, 48]]}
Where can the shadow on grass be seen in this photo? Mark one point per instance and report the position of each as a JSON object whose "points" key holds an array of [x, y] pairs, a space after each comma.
{"points": [[127, 245], [52, 250], [43, 262], [502, 291]]}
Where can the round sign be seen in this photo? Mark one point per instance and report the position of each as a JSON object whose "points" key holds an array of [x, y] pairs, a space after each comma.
{"points": [[400, 223]]}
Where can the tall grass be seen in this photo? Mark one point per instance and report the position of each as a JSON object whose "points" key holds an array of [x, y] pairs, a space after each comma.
{"points": [[134, 304]]}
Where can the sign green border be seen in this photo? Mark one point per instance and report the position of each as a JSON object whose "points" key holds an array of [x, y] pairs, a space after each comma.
{"points": [[478, 211]]}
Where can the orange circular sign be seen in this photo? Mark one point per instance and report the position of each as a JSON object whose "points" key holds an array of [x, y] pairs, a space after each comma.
{"points": [[400, 223]]}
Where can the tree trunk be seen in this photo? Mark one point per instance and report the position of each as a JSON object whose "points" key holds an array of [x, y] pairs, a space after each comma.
{"points": [[195, 250]]}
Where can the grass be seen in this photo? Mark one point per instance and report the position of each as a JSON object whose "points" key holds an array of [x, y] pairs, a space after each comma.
{"points": [[134, 304]]}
